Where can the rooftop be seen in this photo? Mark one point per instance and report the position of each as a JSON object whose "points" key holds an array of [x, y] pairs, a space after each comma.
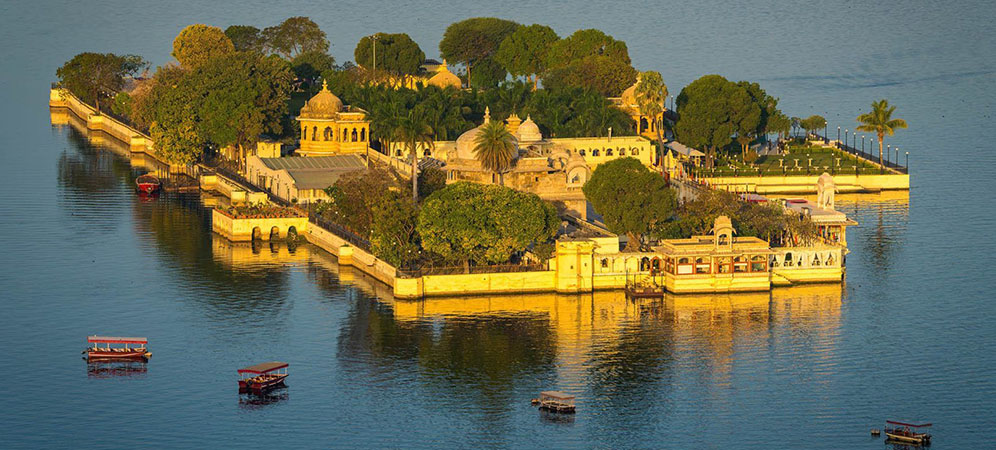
{"points": [[336, 162], [817, 214]]}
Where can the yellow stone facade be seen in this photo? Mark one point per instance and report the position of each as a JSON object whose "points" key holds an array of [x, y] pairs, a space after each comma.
{"points": [[330, 128]]}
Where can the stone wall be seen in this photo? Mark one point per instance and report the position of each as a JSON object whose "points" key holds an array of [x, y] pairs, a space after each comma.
{"points": [[806, 184], [241, 230]]}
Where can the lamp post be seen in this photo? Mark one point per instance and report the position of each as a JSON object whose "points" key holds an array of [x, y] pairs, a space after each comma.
{"points": [[896, 161], [845, 137], [862, 143], [826, 133], [374, 38], [838, 137], [888, 150], [907, 162]]}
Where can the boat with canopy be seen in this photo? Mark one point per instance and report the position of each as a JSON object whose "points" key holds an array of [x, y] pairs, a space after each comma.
{"points": [[263, 376], [115, 348], [907, 433], [556, 401]]}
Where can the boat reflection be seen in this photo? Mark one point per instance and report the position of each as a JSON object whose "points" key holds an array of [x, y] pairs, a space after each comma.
{"points": [[255, 400], [556, 418], [111, 369]]}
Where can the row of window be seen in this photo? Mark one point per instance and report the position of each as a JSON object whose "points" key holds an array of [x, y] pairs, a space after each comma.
{"points": [[358, 134], [701, 264], [608, 152]]}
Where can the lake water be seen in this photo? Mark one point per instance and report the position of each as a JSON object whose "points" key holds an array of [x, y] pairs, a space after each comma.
{"points": [[908, 336]]}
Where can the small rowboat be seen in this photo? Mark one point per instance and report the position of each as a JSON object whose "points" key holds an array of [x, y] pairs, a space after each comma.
{"points": [[906, 433], [262, 377], [147, 184], [123, 349]]}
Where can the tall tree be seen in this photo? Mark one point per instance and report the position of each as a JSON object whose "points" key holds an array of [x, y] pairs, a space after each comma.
{"points": [[469, 222], [397, 54], [711, 110], [630, 198], [488, 73], [245, 38], [880, 122], [474, 39], [746, 117], [813, 123], [496, 149], [198, 43], [607, 75], [294, 36], [586, 43], [651, 93], [414, 131], [308, 66], [524, 52], [93, 76]]}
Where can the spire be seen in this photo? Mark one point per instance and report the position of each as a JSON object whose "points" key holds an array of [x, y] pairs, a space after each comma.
{"points": [[325, 85], [487, 114]]}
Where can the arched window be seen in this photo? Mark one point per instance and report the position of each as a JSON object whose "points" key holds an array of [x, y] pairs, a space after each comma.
{"points": [[594, 152], [397, 152], [314, 133], [354, 135], [605, 262], [328, 133], [363, 134], [608, 152], [581, 152], [622, 152], [304, 133], [643, 124], [634, 152]]}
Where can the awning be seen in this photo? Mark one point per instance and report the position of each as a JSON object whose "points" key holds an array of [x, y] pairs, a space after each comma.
{"points": [[682, 149], [264, 367], [557, 395], [908, 424], [116, 340]]}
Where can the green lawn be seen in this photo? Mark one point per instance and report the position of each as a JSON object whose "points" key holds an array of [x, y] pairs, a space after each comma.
{"points": [[800, 160]]}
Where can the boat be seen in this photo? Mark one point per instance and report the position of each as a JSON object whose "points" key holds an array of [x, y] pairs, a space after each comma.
{"points": [[147, 184], [117, 348], [262, 377], [906, 433], [556, 401]]}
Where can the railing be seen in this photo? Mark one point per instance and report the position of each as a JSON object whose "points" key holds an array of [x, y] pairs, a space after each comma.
{"points": [[460, 270], [842, 146], [339, 230]]}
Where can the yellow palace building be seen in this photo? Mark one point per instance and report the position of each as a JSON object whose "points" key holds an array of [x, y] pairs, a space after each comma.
{"points": [[330, 128]]}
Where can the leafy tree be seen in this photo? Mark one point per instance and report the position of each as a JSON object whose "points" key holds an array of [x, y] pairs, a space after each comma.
{"points": [[245, 38], [393, 232], [294, 36], [780, 123], [630, 198], [96, 76], [495, 148], [472, 40], [524, 52], [397, 54], [812, 123], [766, 221], [651, 93], [607, 75], [199, 43], [122, 104], [470, 222], [308, 66], [745, 115], [430, 179], [354, 197], [768, 106], [413, 130], [584, 44], [880, 122], [488, 73], [710, 110]]}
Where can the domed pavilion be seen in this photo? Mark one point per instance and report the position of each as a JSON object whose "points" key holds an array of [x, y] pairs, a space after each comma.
{"points": [[330, 128]]}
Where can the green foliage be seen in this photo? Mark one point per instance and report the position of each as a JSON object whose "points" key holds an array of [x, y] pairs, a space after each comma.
{"points": [[766, 221], [651, 95], [295, 36], [607, 75], [710, 110], [880, 122], [430, 179], [631, 199], [245, 38], [397, 54], [469, 222], [487, 73], [779, 123], [813, 123], [310, 65], [413, 130], [524, 52], [96, 76], [496, 149], [122, 104], [198, 43], [767, 105], [475, 39], [584, 44]]}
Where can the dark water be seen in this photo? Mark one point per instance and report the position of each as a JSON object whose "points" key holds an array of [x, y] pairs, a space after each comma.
{"points": [[909, 335]]}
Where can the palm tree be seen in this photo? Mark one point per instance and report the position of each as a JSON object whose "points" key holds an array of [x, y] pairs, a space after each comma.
{"points": [[880, 122], [413, 129], [496, 149], [651, 93]]}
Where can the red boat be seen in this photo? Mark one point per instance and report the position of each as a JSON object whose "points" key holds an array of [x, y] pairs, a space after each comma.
{"points": [[147, 184], [262, 377], [125, 348]]}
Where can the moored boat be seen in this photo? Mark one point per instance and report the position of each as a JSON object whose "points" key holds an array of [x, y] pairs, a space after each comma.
{"points": [[907, 433], [556, 401], [117, 348], [147, 184], [263, 376]]}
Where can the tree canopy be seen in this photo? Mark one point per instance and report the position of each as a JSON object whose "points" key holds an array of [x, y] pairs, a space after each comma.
{"points": [[606, 75], [294, 36], [524, 52], [485, 224], [310, 65], [586, 43], [496, 149], [880, 122], [397, 54], [198, 43], [813, 123], [631, 199], [472, 40], [711, 110], [95, 76], [651, 94], [245, 38]]}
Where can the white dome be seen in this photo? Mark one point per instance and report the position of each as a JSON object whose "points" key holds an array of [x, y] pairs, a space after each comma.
{"points": [[529, 131]]}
